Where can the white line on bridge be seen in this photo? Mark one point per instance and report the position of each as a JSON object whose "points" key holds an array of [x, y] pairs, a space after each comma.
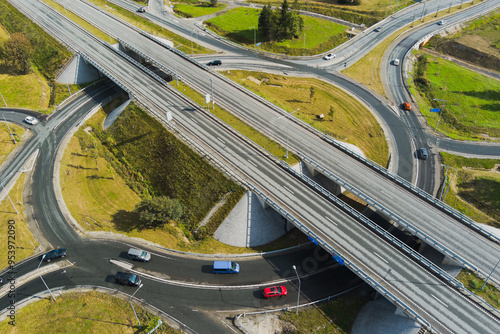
{"points": [[289, 190], [344, 168], [386, 194], [380, 257], [223, 142], [331, 221], [194, 120], [251, 163], [436, 298]]}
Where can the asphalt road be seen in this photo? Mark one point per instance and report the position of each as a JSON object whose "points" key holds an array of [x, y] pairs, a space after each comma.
{"points": [[420, 216], [262, 172]]}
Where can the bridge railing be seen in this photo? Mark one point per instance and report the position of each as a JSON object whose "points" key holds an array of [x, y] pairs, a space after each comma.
{"points": [[414, 230]]}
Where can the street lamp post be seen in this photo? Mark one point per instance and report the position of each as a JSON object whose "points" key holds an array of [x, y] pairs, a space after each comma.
{"points": [[487, 278], [254, 36], [43, 281], [440, 112], [288, 132], [298, 296], [133, 309]]}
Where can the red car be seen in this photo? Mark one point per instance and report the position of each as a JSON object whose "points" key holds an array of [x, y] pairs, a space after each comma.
{"points": [[275, 291]]}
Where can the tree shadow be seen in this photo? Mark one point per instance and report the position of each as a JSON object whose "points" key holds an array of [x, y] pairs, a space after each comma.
{"points": [[81, 167], [97, 177], [130, 140], [126, 221]]}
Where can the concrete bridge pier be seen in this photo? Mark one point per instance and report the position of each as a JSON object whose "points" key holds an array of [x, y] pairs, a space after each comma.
{"points": [[327, 183]]}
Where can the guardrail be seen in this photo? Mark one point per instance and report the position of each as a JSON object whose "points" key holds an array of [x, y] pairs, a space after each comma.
{"points": [[415, 231]]}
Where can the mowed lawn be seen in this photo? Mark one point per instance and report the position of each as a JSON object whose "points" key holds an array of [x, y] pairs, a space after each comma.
{"points": [[83, 312], [29, 91], [23, 238], [472, 108], [7, 144], [351, 121], [200, 9], [238, 25]]}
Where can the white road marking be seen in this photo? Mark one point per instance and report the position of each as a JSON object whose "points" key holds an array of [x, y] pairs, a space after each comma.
{"points": [[331, 221], [289, 190], [194, 120], [436, 298], [223, 142], [251, 163], [380, 257]]}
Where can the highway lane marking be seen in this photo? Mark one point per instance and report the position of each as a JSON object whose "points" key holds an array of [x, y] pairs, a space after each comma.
{"points": [[289, 190], [194, 120], [251, 163], [344, 168], [223, 142], [436, 298], [331, 221], [386, 194], [380, 257]]}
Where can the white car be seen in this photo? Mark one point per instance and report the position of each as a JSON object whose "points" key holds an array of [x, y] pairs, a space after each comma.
{"points": [[329, 56], [441, 22], [31, 120]]}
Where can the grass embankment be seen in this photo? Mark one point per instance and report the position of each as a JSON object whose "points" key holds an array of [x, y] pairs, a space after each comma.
{"points": [[31, 91], [7, 144], [477, 43], [367, 69], [351, 121], [240, 126], [20, 246], [180, 43], [81, 22], [237, 25], [197, 9], [332, 317], [471, 110], [471, 282], [151, 162], [475, 191], [88, 312]]}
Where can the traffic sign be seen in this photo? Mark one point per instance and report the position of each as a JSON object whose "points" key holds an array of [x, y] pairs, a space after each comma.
{"points": [[435, 109]]}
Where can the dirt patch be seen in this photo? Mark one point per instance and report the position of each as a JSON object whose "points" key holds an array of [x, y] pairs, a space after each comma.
{"points": [[479, 43], [254, 80]]}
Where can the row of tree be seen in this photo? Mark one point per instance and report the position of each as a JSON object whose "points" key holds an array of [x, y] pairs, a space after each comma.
{"points": [[282, 23], [17, 53]]}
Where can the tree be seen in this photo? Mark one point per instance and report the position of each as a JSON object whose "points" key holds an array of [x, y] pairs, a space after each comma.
{"points": [[331, 111], [214, 3], [312, 91], [17, 52], [158, 211], [267, 23]]}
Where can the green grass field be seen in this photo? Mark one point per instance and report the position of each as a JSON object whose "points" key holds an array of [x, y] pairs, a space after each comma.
{"points": [[7, 144], [320, 35], [83, 312], [472, 103], [475, 190], [351, 121], [196, 10], [29, 91], [21, 245], [180, 43]]}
